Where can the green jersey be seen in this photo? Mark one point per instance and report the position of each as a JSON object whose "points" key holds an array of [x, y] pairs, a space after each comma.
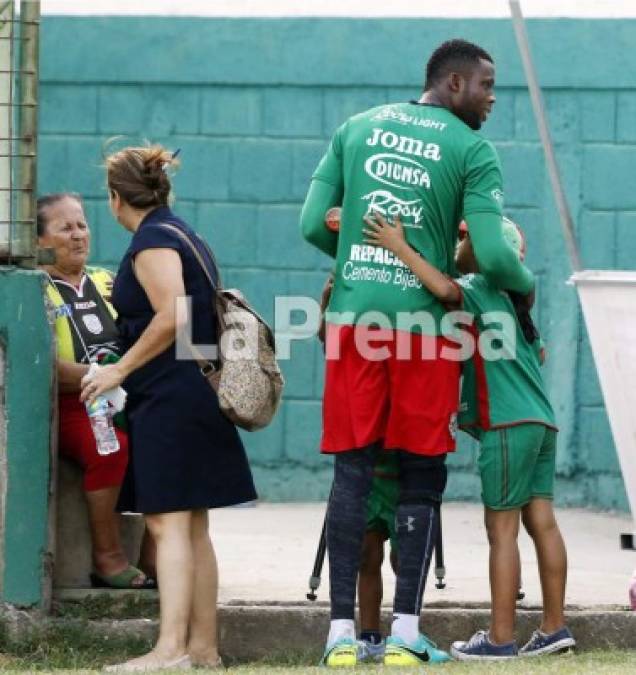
{"points": [[507, 391], [423, 164]]}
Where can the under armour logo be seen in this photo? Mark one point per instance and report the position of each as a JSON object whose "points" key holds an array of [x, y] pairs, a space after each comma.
{"points": [[408, 524]]}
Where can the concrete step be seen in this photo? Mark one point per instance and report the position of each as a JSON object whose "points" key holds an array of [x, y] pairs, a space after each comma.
{"points": [[251, 632]]}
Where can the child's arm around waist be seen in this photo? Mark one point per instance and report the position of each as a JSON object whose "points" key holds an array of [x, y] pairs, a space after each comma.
{"points": [[380, 233]]}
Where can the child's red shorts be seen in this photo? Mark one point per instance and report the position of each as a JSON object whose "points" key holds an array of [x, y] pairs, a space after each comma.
{"points": [[405, 400], [77, 442]]}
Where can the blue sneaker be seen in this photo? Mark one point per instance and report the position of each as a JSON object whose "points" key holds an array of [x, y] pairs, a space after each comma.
{"points": [[558, 642], [398, 652], [480, 648], [370, 652], [340, 654]]}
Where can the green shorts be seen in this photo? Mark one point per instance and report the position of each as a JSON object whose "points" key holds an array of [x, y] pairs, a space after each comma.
{"points": [[381, 507], [517, 464]]}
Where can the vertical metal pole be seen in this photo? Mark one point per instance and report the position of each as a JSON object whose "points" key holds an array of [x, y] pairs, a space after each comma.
{"points": [[544, 133], [26, 240], [7, 13]]}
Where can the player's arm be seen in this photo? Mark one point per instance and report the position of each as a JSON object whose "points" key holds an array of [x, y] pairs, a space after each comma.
{"points": [[321, 197], [325, 297], [325, 191], [380, 233], [482, 211], [496, 259]]}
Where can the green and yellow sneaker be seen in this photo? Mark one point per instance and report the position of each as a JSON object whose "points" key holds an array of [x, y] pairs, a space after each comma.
{"points": [[398, 652], [341, 654]]}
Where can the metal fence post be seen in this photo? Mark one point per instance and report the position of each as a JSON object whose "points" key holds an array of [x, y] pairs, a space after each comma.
{"points": [[28, 70], [7, 14], [19, 71]]}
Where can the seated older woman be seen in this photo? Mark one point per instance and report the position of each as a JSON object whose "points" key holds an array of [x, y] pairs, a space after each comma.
{"points": [[86, 332]]}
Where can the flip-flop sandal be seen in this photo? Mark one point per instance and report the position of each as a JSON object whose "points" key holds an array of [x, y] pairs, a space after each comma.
{"points": [[123, 580]]}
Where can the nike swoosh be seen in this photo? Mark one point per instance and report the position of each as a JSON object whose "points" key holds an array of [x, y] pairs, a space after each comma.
{"points": [[421, 656]]}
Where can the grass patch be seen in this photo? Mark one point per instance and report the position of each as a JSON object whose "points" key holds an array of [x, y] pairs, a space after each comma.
{"points": [[603, 662], [77, 645], [76, 649], [68, 647]]}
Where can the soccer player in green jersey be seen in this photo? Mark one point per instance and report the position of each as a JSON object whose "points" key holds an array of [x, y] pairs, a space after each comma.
{"points": [[381, 507], [424, 162], [505, 406]]}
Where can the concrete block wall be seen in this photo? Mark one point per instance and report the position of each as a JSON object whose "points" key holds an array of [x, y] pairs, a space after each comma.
{"points": [[73, 559], [3, 461], [252, 104]]}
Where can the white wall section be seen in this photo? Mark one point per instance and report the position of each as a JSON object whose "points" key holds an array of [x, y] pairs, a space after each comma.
{"points": [[339, 8]]}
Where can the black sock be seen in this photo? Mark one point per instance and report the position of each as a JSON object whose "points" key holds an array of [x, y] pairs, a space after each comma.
{"points": [[416, 526], [422, 484], [346, 525]]}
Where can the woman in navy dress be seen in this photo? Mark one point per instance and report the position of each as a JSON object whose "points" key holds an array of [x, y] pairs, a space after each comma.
{"points": [[185, 455]]}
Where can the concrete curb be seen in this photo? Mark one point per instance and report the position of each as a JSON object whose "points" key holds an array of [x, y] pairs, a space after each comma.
{"points": [[254, 632]]}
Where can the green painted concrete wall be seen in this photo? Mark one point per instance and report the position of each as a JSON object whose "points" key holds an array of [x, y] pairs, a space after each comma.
{"points": [[26, 340], [252, 103]]}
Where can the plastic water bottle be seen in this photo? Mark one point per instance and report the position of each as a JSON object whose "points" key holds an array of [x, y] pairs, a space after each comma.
{"points": [[102, 425], [632, 591]]}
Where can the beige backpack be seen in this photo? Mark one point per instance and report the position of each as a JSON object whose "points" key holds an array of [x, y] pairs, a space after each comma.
{"points": [[246, 376]]}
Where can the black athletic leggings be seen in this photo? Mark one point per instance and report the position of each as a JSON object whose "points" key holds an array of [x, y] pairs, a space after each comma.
{"points": [[422, 484]]}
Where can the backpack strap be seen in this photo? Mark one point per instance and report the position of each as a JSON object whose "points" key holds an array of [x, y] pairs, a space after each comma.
{"points": [[195, 251], [223, 295], [207, 368]]}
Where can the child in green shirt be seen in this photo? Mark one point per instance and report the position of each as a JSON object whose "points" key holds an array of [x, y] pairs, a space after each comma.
{"points": [[504, 405], [381, 508]]}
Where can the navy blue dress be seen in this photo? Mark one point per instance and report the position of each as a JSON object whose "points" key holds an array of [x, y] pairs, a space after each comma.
{"points": [[184, 453]]}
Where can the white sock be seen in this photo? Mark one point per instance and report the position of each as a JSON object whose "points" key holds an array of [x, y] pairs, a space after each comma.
{"points": [[406, 626], [340, 629]]}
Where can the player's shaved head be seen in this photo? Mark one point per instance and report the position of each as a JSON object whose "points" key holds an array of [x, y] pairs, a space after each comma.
{"points": [[453, 56]]}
